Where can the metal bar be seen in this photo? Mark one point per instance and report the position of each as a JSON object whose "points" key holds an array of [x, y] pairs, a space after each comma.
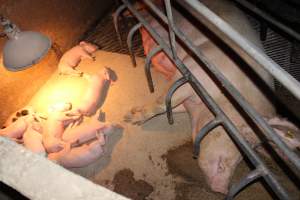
{"points": [[152, 53], [269, 18], [171, 32], [204, 131], [242, 46], [239, 140], [258, 120], [211, 104], [236, 188], [116, 22], [172, 90], [263, 31], [129, 42]]}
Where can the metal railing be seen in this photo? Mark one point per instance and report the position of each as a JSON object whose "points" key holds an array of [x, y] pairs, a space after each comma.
{"points": [[269, 19], [251, 54]]}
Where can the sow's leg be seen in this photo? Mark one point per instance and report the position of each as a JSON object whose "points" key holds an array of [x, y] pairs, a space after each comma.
{"points": [[140, 114]]}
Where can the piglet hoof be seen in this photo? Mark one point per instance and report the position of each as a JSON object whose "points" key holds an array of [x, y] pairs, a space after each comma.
{"points": [[19, 141], [101, 138], [137, 116]]}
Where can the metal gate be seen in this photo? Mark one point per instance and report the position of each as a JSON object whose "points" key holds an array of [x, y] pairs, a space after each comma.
{"points": [[248, 52]]}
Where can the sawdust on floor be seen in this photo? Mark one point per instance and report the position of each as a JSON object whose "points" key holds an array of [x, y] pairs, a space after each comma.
{"points": [[154, 161]]}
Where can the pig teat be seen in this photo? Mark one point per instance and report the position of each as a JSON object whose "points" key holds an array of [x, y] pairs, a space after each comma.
{"points": [[60, 107]]}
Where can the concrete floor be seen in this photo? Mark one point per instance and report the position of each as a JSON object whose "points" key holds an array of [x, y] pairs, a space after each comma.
{"points": [[141, 150], [138, 148]]}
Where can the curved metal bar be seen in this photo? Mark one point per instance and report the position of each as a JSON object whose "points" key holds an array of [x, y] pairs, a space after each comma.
{"points": [[152, 53], [198, 9], [172, 90], [216, 110], [129, 42], [204, 131], [116, 24], [236, 188]]}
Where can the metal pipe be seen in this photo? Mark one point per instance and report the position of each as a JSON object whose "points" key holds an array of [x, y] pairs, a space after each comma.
{"points": [[263, 31], [269, 18], [116, 22], [258, 120], [236, 188], [240, 141], [129, 42], [172, 90], [152, 53], [242, 46], [203, 94], [204, 131], [171, 24]]}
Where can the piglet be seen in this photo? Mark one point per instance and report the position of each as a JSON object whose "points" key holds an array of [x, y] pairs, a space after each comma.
{"points": [[32, 140], [15, 130], [88, 131], [90, 100], [22, 113], [72, 58], [54, 128], [79, 156]]}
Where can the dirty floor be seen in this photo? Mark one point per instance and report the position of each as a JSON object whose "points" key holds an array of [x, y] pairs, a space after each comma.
{"points": [[152, 161]]}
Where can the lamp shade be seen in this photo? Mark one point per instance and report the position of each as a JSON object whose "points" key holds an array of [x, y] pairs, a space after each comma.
{"points": [[24, 50]]}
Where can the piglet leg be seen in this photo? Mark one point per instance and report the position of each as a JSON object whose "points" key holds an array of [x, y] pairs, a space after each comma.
{"points": [[54, 128], [88, 131], [33, 141], [91, 98], [14, 130], [78, 156]]}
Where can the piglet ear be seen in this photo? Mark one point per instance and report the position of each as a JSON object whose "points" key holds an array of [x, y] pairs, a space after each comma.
{"points": [[82, 43]]}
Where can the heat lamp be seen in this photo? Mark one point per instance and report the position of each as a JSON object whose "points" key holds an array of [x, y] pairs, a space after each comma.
{"points": [[23, 48]]}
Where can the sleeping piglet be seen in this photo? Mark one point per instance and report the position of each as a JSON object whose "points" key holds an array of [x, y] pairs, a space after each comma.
{"points": [[72, 58], [33, 141], [90, 100], [79, 156], [54, 128], [15, 130], [88, 131], [22, 113]]}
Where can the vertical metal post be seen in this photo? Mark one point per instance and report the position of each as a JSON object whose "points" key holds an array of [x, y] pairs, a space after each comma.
{"points": [[172, 37]]}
